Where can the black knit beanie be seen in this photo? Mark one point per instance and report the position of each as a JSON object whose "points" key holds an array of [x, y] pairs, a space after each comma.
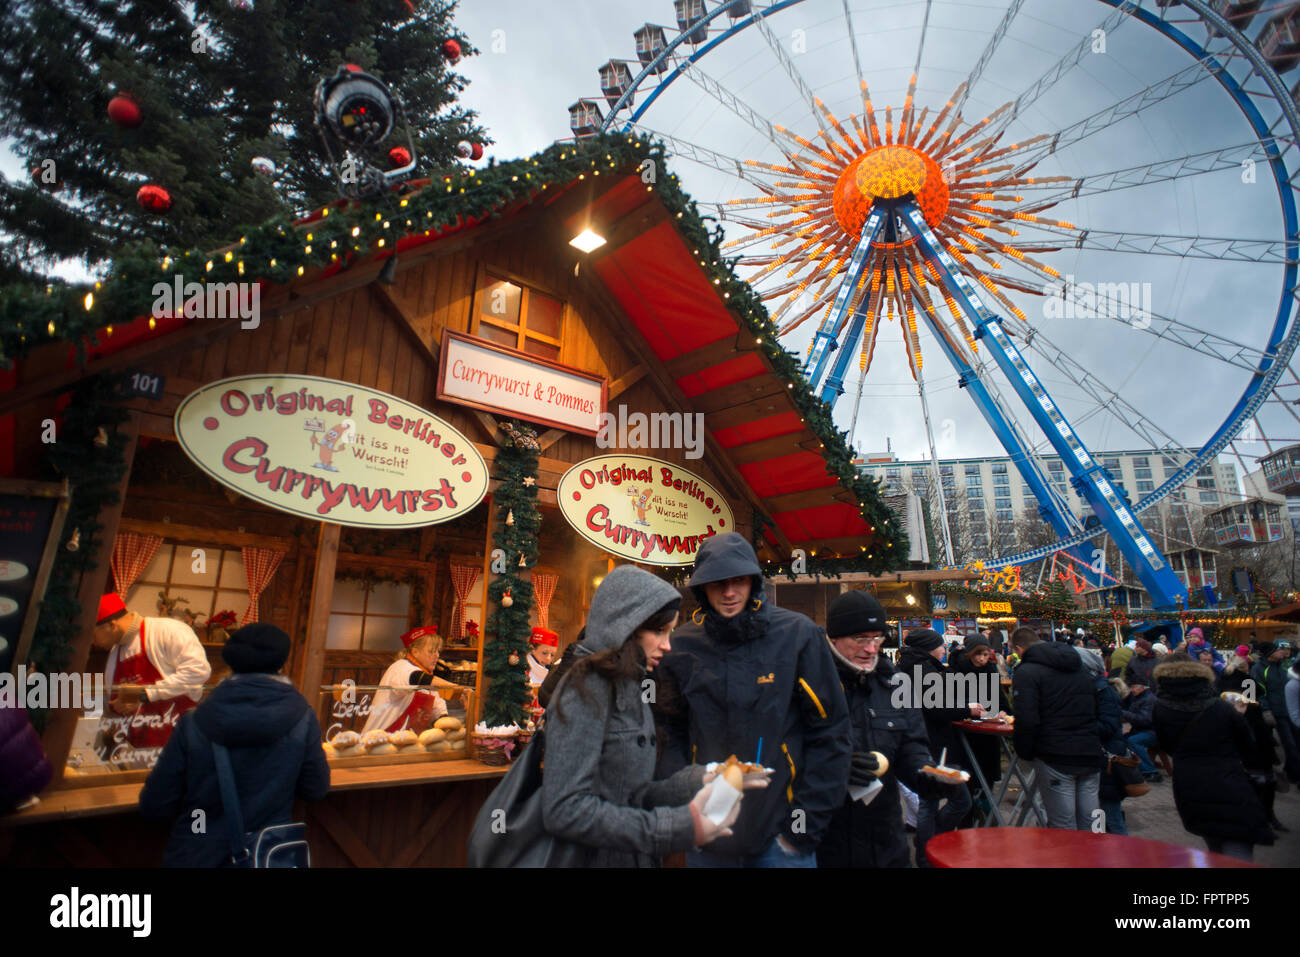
{"points": [[258, 647], [923, 639], [855, 613]]}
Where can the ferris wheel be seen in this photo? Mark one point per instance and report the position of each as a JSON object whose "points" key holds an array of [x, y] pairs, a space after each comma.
{"points": [[1086, 208]]}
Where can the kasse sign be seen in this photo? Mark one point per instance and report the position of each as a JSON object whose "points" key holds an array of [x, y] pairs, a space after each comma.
{"points": [[331, 451]]}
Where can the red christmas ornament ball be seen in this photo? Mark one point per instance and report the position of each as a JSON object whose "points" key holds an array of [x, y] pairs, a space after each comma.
{"points": [[124, 111], [399, 156], [451, 50], [154, 198], [476, 151]]}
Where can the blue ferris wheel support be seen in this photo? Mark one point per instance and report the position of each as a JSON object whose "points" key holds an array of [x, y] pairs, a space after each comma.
{"points": [[825, 342], [1088, 477]]}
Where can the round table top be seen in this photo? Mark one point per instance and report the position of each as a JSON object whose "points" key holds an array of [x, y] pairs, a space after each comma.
{"points": [[1048, 847], [987, 727]]}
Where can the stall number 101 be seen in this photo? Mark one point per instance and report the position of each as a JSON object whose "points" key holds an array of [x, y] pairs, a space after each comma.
{"points": [[142, 383]]}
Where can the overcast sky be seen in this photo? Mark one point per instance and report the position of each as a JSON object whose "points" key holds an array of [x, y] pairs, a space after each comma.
{"points": [[538, 58]]}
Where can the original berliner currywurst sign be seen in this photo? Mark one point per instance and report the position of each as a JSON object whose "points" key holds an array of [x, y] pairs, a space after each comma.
{"points": [[331, 451], [642, 509]]}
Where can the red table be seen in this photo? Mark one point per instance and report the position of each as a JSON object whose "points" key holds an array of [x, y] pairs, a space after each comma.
{"points": [[1045, 847]]}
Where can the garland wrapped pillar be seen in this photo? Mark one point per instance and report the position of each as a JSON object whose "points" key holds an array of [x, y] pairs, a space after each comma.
{"points": [[518, 525]]}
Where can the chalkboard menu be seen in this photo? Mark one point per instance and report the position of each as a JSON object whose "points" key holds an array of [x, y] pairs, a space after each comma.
{"points": [[31, 521]]}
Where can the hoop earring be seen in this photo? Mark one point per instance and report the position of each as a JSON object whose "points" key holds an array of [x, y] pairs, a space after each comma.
{"points": [[700, 619], [758, 603]]}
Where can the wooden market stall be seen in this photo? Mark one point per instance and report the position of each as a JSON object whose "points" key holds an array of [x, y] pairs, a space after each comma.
{"points": [[644, 320]]}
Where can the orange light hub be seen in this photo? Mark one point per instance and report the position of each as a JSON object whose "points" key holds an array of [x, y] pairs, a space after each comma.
{"points": [[889, 172]]}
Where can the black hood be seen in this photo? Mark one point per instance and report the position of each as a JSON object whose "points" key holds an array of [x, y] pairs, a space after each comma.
{"points": [[909, 657], [722, 557], [250, 710], [1054, 654]]}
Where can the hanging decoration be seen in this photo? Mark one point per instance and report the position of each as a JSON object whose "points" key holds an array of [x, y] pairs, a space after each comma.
{"points": [[243, 6], [509, 628], [74, 542], [464, 149], [399, 156], [125, 112], [510, 517], [263, 166], [451, 50], [154, 198]]}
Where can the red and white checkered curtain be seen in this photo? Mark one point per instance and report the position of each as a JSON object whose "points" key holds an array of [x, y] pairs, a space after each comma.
{"points": [[543, 591], [259, 566], [132, 553], [463, 578]]}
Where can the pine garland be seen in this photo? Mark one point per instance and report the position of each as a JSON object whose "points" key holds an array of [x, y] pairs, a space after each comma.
{"points": [[508, 629], [93, 472]]}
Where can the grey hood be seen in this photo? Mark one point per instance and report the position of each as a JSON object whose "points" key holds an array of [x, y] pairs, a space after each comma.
{"points": [[625, 599], [1092, 661]]}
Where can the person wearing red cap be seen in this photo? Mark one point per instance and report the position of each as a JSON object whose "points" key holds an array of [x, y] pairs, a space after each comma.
{"points": [[156, 669], [397, 709], [546, 645]]}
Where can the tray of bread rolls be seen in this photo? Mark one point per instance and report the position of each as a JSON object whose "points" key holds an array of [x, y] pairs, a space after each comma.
{"points": [[444, 740]]}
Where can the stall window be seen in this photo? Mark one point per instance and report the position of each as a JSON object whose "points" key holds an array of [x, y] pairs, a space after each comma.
{"points": [[368, 618], [514, 315], [197, 580]]}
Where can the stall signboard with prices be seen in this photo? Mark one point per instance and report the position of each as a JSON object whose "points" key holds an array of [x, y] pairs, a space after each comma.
{"points": [[31, 524]]}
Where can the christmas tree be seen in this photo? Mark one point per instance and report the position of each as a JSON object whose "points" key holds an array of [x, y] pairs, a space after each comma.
{"points": [[100, 99]]}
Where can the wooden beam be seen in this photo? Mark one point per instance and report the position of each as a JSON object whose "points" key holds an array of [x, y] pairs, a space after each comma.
{"points": [[809, 498], [740, 394], [489, 424], [318, 619], [57, 739], [549, 438], [216, 536], [624, 382], [775, 447], [849, 545], [338, 827], [764, 408], [404, 312], [451, 802], [706, 357]]}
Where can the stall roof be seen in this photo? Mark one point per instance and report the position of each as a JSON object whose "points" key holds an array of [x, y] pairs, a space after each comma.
{"points": [[692, 339]]}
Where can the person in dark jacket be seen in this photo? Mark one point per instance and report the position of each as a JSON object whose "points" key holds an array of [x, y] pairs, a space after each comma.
{"points": [[24, 769], [1110, 793], [871, 834], [1269, 674], [1139, 668], [275, 751], [976, 658], [1208, 739], [599, 788], [919, 663], [742, 674], [1236, 672], [1138, 711], [1056, 728], [572, 653]]}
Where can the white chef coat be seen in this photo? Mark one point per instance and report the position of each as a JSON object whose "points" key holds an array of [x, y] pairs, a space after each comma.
{"points": [[175, 651]]}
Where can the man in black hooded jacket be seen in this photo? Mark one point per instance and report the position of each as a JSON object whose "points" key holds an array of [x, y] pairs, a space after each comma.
{"points": [[1056, 728], [743, 672]]}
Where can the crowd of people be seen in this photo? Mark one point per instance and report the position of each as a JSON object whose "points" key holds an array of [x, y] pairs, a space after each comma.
{"points": [[641, 716]]}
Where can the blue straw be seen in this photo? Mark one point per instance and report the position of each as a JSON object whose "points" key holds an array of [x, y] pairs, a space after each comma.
{"points": [[758, 758]]}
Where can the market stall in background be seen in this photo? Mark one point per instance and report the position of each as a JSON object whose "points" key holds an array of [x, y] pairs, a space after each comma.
{"points": [[437, 450]]}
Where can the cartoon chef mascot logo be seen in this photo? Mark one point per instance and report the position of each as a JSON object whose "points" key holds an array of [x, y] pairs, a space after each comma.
{"points": [[331, 443]]}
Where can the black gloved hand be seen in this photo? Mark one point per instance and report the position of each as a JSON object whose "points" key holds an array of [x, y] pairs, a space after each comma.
{"points": [[863, 768], [935, 789]]}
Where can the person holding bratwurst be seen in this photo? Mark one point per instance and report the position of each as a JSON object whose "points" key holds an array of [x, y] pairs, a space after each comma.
{"points": [[743, 673]]}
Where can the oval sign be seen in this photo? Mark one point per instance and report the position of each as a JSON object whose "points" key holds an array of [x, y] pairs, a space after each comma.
{"points": [[332, 451], [641, 509], [7, 606], [12, 571]]}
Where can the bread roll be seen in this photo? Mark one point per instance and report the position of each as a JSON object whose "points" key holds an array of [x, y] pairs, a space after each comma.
{"points": [[329, 750], [448, 723], [458, 745], [884, 764], [432, 736], [456, 735], [732, 774], [404, 740], [347, 744], [440, 746], [377, 742]]}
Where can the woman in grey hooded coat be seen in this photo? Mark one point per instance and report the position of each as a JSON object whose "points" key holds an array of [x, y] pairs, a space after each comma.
{"points": [[597, 787]]}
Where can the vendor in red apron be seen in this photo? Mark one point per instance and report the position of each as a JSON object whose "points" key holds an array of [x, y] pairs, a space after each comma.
{"points": [[397, 709], [546, 645], [156, 670]]}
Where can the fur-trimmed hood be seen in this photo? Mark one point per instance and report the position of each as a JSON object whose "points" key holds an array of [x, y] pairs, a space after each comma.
{"points": [[1183, 669], [1184, 685]]}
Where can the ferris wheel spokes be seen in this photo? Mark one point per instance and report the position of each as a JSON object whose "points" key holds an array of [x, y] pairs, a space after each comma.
{"points": [[824, 342], [1088, 476]]}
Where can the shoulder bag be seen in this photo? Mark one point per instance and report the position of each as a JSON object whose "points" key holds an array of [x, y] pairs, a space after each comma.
{"points": [[280, 845]]}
